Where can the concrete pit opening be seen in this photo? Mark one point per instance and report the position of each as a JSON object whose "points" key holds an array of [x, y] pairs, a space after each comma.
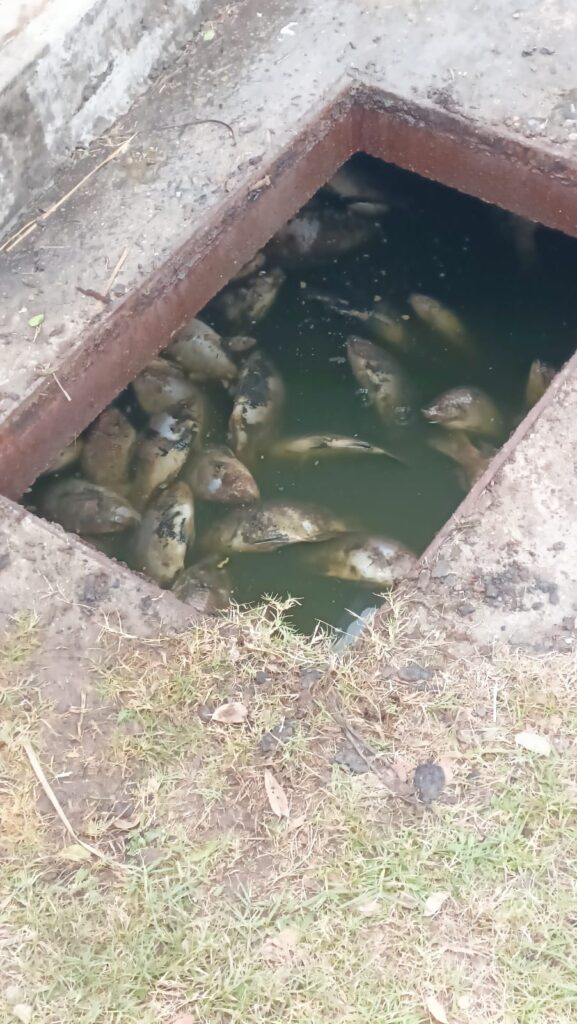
{"points": [[313, 427]]}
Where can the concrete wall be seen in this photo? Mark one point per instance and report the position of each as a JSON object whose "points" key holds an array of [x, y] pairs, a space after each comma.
{"points": [[68, 69]]}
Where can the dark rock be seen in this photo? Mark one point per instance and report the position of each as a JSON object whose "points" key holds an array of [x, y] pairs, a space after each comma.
{"points": [[261, 677], [349, 758], [465, 608], [414, 673], [429, 781], [276, 736]]}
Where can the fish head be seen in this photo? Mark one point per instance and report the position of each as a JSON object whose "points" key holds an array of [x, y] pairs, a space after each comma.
{"points": [[451, 408]]}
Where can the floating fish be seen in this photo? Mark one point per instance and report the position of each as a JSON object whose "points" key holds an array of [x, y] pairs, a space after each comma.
{"points": [[540, 377], [66, 457], [108, 450], [362, 558], [163, 450], [200, 351], [457, 445], [257, 405], [387, 385], [358, 183], [384, 322], [204, 585], [166, 530], [251, 267], [245, 304], [469, 409], [267, 527], [83, 507], [446, 323], [314, 446], [320, 234], [215, 474], [161, 385]]}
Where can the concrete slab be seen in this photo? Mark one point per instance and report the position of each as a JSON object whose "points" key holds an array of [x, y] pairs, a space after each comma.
{"points": [[68, 70], [496, 82]]}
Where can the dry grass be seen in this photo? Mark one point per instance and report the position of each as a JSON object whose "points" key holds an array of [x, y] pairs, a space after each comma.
{"points": [[223, 911]]}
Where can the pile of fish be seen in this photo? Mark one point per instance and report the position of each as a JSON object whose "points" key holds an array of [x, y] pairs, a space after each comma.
{"points": [[143, 468]]}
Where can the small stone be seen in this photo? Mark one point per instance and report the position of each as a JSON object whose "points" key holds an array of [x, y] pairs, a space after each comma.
{"points": [[205, 712], [440, 569], [413, 673], [276, 736], [261, 677], [465, 608], [429, 781], [349, 758]]}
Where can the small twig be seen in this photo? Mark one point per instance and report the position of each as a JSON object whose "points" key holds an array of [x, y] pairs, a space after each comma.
{"points": [[39, 773], [62, 388], [115, 272], [201, 120], [23, 233]]}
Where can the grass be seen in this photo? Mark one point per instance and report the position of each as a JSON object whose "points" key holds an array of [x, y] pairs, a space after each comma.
{"points": [[219, 910]]}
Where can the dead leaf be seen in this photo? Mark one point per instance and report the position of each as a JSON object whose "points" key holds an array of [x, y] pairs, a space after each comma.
{"points": [[296, 823], [436, 1009], [74, 854], [184, 1018], [534, 742], [277, 797], [22, 1012], [434, 902], [234, 713], [125, 824], [281, 947], [369, 908]]}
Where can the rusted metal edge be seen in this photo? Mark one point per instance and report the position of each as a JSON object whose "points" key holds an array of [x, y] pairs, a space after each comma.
{"points": [[121, 343], [427, 140]]}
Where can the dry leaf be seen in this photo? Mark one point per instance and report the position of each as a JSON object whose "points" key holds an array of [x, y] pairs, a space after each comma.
{"points": [[436, 1009], [434, 902], [534, 742], [22, 1012], [125, 824], [296, 823], [276, 795], [75, 854], [230, 714], [184, 1018], [369, 908], [281, 947]]}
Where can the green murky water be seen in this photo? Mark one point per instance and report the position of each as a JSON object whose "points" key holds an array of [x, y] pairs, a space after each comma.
{"points": [[443, 244]]}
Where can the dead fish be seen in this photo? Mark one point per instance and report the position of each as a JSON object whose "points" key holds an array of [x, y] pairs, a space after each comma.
{"points": [[313, 446], [245, 304], [163, 450], [66, 457], [200, 351], [162, 384], [540, 376], [469, 409], [205, 585], [83, 507], [445, 322], [267, 527], [366, 209], [108, 450], [458, 446], [251, 267], [362, 558], [384, 322], [358, 183], [215, 474], [320, 234], [385, 381], [166, 530], [258, 401], [239, 343]]}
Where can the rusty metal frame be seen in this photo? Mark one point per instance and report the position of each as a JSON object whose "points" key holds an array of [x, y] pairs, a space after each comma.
{"points": [[440, 145]]}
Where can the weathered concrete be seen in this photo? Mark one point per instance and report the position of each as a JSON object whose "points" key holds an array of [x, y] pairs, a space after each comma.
{"points": [[502, 70], [68, 70]]}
